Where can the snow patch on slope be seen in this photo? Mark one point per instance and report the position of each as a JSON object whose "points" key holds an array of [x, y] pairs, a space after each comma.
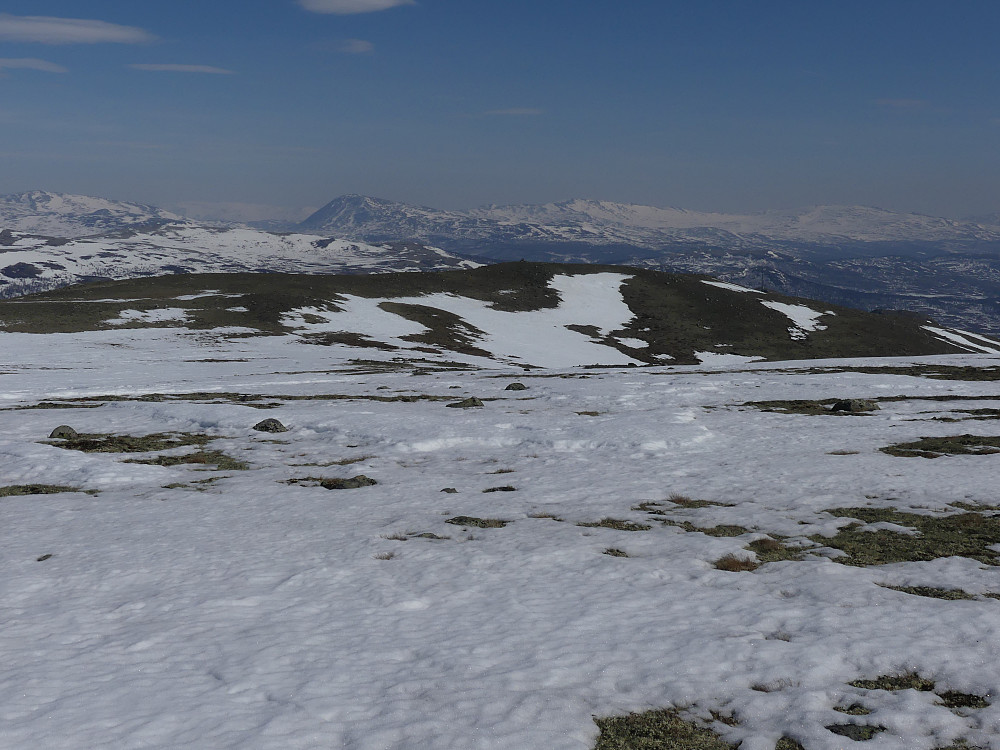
{"points": [[537, 338], [963, 338], [803, 318]]}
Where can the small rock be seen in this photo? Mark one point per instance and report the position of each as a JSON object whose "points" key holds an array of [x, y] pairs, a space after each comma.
{"points": [[270, 425], [350, 483], [855, 405], [516, 387], [450, 490], [64, 432], [467, 403], [43, 558]]}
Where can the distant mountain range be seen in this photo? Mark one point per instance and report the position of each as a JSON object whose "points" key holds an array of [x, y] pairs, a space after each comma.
{"points": [[603, 223], [850, 255]]}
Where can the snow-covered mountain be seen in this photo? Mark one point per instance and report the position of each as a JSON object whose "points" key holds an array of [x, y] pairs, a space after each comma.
{"points": [[863, 257], [33, 263], [64, 215], [605, 222]]}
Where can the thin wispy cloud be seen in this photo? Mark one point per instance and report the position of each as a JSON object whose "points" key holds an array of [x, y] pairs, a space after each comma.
{"points": [[356, 47], [350, 7], [903, 103], [30, 63], [515, 112], [174, 68], [50, 30]]}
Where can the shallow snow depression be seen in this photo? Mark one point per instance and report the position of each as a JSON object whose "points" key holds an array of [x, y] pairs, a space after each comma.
{"points": [[218, 595]]}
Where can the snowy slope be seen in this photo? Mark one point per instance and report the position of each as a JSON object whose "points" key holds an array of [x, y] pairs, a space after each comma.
{"points": [[65, 215], [521, 314], [184, 605], [32, 263]]}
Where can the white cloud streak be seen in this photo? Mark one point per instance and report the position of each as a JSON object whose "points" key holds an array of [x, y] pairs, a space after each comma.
{"points": [[356, 47], [30, 63], [173, 68], [50, 30], [350, 7]]}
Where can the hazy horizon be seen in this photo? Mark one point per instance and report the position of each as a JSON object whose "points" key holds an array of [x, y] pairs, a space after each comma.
{"points": [[274, 107]]}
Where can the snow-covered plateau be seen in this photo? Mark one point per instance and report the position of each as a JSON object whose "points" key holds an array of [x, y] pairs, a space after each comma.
{"points": [[715, 540]]}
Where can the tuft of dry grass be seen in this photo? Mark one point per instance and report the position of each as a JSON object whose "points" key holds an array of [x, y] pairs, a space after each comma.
{"points": [[734, 564]]}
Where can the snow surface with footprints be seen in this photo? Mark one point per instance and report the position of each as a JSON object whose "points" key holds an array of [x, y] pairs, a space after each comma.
{"points": [[184, 606]]}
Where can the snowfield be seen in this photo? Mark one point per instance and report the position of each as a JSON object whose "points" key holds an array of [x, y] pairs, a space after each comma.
{"points": [[180, 606]]}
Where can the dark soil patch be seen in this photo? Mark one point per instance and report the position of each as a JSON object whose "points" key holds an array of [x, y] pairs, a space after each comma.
{"points": [[660, 729], [961, 534], [935, 447]]}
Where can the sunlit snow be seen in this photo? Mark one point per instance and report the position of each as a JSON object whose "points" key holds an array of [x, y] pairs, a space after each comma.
{"points": [[186, 607]]}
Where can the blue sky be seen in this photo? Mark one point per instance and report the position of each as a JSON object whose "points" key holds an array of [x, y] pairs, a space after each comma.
{"points": [[703, 104]]}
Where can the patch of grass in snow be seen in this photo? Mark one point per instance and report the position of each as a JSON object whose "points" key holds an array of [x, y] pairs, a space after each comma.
{"points": [[787, 743], [253, 400], [855, 709], [856, 732], [659, 729], [17, 490], [722, 530], [479, 523], [913, 681], [615, 552], [683, 501], [772, 550], [502, 488], [549, 516], [908, 681], [975, 507], [955, 699], [589, 413], [617, 524], [935, 447], [341, 462], [107, 443], [735, 564], [221, 461], [931, 592], [793, 406], [961, 534]]}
